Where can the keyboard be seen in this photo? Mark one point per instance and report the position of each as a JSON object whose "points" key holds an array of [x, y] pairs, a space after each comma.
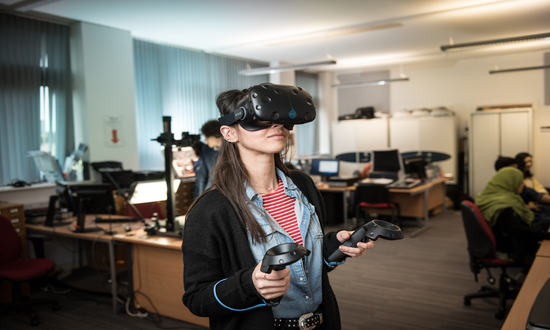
{"points": [[115, 220], [405, 184]]}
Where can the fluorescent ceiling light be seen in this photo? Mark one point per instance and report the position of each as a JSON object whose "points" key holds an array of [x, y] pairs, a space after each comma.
{"points": [[332, 34], [520, 69], [266, 70], [369, 83], [494, 42]]}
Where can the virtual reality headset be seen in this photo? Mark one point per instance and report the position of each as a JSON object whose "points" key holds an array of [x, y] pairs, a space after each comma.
{"points": [[269, 104]]}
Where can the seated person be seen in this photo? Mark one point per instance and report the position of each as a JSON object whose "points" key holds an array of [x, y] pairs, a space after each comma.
{"points": [[510, 219], [528, 194], [525, 162], [365, 171]]}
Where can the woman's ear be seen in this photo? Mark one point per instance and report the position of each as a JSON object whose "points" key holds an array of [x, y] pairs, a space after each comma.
{"points": [[229, 134]]}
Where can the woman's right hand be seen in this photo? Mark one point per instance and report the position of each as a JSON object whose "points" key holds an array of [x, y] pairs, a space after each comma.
{"points": [[272, 285]]}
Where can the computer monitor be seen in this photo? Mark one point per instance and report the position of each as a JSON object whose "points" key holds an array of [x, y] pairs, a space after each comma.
{"points": [[386, 164], [87, 198], [415, 166], [328, 167], [325, 167]]}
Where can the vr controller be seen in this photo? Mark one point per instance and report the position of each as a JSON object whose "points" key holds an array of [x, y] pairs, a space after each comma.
{"points": [[278, 257], [371, 230], [269, 104]]}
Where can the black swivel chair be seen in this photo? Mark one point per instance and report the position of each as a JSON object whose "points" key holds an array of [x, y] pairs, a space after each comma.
{"points": [[482, 248], [373, 196]]}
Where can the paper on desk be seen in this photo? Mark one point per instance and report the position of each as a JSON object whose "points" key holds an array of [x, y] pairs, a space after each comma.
{"points": [[377, 180]]}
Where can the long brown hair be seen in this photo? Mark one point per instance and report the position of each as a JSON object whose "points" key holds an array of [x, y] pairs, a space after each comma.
{"points": [[230, 173]]}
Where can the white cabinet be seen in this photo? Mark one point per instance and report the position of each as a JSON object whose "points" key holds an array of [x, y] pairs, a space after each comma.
{"points": [[492, 134], [358, 135], [433, 134]]}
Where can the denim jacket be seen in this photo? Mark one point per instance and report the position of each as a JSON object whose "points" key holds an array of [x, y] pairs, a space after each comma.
{"points": [[305, 292]]}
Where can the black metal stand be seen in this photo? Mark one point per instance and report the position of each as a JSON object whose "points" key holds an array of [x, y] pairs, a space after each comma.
{"points": [[173, 228]]}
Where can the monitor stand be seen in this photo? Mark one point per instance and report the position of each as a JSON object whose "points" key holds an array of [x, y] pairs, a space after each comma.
{"points": [[80, 226], [51, 213]]}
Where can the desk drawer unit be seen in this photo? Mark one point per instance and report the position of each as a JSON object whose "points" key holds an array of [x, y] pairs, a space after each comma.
{"points": [[16, 214]]}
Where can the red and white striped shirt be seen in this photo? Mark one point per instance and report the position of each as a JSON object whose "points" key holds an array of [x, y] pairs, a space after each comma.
{"points": [[281, 208]]}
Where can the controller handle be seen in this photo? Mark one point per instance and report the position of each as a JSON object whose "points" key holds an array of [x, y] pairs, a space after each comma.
{"points": [[371, 230], [278, 257]]}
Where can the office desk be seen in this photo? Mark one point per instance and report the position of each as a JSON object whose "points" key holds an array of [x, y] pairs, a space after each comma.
{"points": [[544, 249], [157, 272], [99, 236], [417, 202], [538, 274]]}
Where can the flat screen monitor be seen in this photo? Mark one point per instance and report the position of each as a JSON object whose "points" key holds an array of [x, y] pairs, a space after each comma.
{"points": [[415, 166], [87, 198], [386, 161], [325, 167]]}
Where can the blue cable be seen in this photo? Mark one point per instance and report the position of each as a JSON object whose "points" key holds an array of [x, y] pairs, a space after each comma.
{"points": [[334, 263], [233, 309]]}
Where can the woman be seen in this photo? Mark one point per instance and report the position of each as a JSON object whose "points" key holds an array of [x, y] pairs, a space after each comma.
{"points": [[231, 226], [509, 217]]}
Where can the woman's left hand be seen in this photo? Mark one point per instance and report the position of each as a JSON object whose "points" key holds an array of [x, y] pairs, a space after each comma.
{"points": [[344, 235]]}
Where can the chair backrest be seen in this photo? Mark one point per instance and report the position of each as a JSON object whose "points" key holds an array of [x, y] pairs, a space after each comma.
{"points": [[10, 243], [372, 194], [481, 240]]}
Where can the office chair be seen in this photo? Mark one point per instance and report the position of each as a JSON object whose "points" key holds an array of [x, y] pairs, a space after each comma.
{"points": [[373, 196], [481, 248], [18, 271]]}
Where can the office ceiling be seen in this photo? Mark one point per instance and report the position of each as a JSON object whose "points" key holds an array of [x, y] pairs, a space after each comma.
{"points": [[361, 35]]}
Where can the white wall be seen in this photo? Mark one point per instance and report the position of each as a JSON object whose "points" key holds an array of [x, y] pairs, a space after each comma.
{"points": [[467, 84], [103, 73]]}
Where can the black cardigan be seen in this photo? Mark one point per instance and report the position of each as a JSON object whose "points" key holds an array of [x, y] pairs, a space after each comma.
{"points": [[215, 247]]}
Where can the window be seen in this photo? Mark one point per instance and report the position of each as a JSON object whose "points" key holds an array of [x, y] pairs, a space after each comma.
{"points": [[35, 89]]}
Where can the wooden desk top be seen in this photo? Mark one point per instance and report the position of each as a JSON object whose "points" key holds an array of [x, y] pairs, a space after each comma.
{"points": [[139, 236], [421, 187], [544, 249], [66, 230], [538, 275]]}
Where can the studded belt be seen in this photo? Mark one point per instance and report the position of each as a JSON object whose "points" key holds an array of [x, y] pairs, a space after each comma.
{"points": [[305, 322]]}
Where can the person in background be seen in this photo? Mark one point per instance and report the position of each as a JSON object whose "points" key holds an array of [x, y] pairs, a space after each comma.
{"points": [[505, 161], [197, 148], [525, 162], [542, 213], [531, 197], [510, 219], [254, 204], [209, 155]]}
